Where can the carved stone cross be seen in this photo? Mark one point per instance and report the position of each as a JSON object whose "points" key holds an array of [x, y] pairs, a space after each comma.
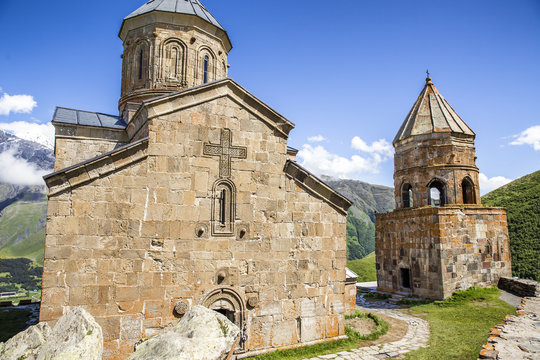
{"points": [[226, 152]]}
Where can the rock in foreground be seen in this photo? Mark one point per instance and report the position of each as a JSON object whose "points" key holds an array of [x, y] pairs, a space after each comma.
{"points": [[202, 334], [76, 336]]}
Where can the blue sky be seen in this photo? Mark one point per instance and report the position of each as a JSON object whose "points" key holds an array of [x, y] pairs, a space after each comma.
{"points": [[346, 72]]}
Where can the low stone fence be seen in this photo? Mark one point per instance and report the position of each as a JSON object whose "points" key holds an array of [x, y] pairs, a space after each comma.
{"points": [[520, 287], [22, 302], [517, 337]]}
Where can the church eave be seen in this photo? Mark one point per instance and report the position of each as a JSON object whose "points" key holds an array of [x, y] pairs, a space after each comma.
{"points": [[315, 186], [96, 167], [220, 33]]}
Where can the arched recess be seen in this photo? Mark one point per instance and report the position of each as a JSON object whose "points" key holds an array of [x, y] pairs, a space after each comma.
{"points": [[468, 191], [223, 207], [437, 192], [229, 303], [139, 67], [173, 60], [407, 195], [206, 65]]}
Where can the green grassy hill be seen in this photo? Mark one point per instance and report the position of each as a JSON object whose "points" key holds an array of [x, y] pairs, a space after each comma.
{"points": [[367, 200], [22, 228], [521, 198], [365, 268]]}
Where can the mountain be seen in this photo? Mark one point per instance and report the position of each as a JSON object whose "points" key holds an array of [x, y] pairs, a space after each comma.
{"points": [[23, 207], [367, 200], [521, 198], [34, 153]]}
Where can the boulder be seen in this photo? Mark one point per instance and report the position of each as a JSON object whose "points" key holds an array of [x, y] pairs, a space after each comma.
{"points": [[202, 334], [75, 336], [26, 344]]}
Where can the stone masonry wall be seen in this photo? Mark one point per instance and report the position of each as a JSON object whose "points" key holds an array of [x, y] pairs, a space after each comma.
{"points": [[475, 247], [74, 144], [130, 246], [445, 249]]}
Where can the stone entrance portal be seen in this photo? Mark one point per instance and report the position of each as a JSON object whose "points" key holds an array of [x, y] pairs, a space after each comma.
{"points": [[228, 302]]}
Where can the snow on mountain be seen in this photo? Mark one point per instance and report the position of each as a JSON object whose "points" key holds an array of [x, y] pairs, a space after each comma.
{"points": [[40, 133]]}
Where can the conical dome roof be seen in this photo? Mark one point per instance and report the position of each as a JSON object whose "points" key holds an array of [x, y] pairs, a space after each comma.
{"points": [[431, 113], [189, 7]]}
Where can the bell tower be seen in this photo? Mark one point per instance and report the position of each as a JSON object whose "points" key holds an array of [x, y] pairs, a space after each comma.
{"points": [[440, 238], [435, 161], [169, 45]]}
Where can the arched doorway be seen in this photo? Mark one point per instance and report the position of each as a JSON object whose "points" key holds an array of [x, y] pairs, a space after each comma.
{"points": [[407, 195], [229, 303], [467, 188], [437, 193]]}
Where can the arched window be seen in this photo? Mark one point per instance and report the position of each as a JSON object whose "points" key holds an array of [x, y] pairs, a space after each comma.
{"points": [[141, 53], [205, 69], [467, 188], [223, 208], [437, 193], [140, 63], [173, 61], [407, 196]]}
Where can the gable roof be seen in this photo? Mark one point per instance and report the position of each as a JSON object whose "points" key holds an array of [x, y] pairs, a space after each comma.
{"points": [[317, 187], [188, 7], [431, 113], [169, 103], [87, 118], [99, 166]]}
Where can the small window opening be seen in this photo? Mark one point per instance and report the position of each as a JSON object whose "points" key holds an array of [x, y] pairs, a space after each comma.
{"points": [[174, 55], [405, 278], [140, 64], [407, 196], [468, 191], [223, 207], [205, 70], [437, 193]]}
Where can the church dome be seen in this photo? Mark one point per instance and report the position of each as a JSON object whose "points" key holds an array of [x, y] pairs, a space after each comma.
{"points": [[431, 113], [188, 7]]}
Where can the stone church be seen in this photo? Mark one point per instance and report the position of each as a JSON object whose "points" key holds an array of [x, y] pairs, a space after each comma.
{"points": [[440, 238], [189, 196]]}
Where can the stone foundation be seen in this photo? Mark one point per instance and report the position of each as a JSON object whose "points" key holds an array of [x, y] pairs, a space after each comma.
{"points": [[431, 252]]}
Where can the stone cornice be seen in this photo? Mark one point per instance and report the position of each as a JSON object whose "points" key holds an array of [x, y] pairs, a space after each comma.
{"points": [[96, 167], [317, 187], [438, 166]]}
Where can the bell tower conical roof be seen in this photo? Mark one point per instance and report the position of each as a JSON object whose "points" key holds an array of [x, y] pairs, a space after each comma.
{"points": [[431, 113], [188, 7]]}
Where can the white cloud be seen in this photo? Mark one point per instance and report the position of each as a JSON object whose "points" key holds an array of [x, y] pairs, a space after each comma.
{"points": [[17, 104], [40, 133], [490, 184], [321, 162], [380, 147], [19, 171], [317, 138], [530, 136]]}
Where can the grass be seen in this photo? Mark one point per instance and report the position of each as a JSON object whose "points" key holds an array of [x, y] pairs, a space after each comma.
{"points": [[354, 341], [460, 324], [18, 235], [380, 330], [365, 268], [13, 321]]}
